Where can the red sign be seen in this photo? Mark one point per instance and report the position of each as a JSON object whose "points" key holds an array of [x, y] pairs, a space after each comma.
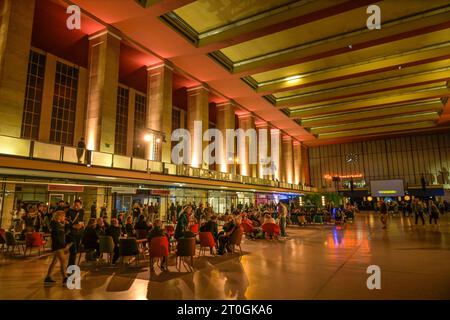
{"points": [[159, 192], [65, 188]]}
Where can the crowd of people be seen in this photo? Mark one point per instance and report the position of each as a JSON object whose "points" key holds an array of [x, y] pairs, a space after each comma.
{"points": [[66, 223], [417, 208]]}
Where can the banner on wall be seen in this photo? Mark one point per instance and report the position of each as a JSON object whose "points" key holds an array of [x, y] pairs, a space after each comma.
{"points": [[65, 188]]}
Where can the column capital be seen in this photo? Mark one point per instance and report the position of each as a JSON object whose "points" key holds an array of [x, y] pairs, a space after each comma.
{"points": [[160, 65], [113, 32], [198, 87], [286, 137]]}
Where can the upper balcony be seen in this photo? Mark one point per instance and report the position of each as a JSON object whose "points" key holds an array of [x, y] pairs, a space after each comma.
{"points": [[36, 150]]}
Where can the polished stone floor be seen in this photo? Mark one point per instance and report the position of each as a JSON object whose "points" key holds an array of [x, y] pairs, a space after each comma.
{"points": [[316, 262]]}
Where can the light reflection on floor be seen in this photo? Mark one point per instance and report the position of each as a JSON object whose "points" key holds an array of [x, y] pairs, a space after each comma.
{"points": [[317, 262]]}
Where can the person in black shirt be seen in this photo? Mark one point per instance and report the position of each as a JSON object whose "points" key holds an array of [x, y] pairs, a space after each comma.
{"points": [[211, 226], [90, 237], [94, 210], [80, 150], [101, 227], [129, 229], [136, 211], [58, 246], [114, 231], [75, 218], [141, 224]]}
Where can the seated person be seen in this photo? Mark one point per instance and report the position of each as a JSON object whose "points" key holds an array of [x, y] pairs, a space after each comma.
{"points": [[90, 238], [268, 219], [211, 226], [158, 231], [114, 231], [141, 224], [129, 229], [101, 227], [224, 237]]}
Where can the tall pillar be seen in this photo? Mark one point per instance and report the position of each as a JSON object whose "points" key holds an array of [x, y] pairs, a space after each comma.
{"points": [[159, 110], [130, 124], [264, 152], [16, 25], [297, 148], [247, 152], [275, 153], [225, 120], [47, 98], [305, 177], [104, 52], [288, 160], [198, 110]]}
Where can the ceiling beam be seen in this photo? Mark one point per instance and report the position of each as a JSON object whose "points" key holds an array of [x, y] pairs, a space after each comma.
{"points": [[380, 129], [367, 88], [343, 118], [425, 116], [312, 110], [392, 31]]}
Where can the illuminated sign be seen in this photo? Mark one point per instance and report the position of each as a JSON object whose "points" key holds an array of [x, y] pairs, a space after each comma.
{"points": [[330, 177], [387, 191]]}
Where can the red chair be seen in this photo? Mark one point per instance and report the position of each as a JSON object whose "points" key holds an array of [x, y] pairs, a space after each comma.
{"points": [[236, 238], [271, 230], [247, 227], [170, 230], [34, 240], [159, 248], [206, 241], [194, 228]]}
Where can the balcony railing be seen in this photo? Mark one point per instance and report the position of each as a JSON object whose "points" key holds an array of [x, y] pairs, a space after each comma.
{"points": [[65, 154]]}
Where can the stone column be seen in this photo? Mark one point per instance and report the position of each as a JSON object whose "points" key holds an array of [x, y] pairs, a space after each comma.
{"points": [[16, 25], [264, 152], [247, 152], [47, 98], [297, 148], [288, 161], [159, 109], [198, 111], [104, 52], [225, 120], [275, 153]]}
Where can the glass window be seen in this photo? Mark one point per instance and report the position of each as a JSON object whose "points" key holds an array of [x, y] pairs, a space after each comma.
{"points": [[33, 96]]}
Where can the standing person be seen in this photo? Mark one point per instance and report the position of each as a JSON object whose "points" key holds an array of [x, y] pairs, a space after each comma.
{"points": [[434, 213], [58, 236], [94, 210], [199, 212], [418, 209], [80, 149], [383, 213], [136, 212], [173, 212], [183, 222], [151, 212], [75, 217], [179, 208], [283, 220]]}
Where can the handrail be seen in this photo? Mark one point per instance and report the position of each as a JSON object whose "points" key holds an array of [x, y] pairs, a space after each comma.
{"points": [[33, 149]]}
